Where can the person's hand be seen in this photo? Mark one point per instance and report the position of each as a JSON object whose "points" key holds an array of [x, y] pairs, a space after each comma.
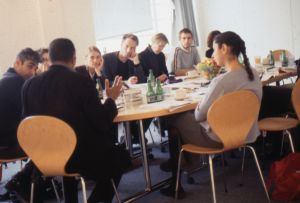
{"points": [[133, 80], [135, 58], [162, 77], [113, 91]]}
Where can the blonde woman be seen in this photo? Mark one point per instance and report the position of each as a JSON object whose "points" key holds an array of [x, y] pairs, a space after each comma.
{"points": [[93, 69], [152, 58]]}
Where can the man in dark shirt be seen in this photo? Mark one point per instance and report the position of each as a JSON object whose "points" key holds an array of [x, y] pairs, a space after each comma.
{"points": [[125, 62], [65, 94], [11, 84], [152, 58]]}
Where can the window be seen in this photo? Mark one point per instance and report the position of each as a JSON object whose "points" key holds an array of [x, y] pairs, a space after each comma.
{"points": [[161, 13]]}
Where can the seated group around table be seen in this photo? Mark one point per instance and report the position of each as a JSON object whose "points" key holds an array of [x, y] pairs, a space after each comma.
{"points": [[57, 90]]}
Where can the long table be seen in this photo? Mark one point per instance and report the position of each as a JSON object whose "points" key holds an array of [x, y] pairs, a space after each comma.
{"points": [[278, 74], [164, 108]]}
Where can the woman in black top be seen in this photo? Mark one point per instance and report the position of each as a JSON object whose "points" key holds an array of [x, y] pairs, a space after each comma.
{"points": [[93, 69], [153, 58]]}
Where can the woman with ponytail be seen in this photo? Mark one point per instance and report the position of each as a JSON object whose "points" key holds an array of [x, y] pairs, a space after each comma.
{"points": [[229, 52]]}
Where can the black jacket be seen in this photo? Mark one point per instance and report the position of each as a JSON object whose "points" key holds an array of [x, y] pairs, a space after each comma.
{"points": [[10, 107], [110, 68], [156, 62], [83, 70], [67, 95]]}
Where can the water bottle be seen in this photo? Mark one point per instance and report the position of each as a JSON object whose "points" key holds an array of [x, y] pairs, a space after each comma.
{"points": [[151, 97], [99, 88], [159, 91]]}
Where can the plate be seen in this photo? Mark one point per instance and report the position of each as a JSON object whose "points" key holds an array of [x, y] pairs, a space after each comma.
{"points": [[181, 99]]}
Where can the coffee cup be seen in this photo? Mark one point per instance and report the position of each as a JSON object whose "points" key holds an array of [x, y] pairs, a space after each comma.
{"points": [[192, 73], [180, 94]]}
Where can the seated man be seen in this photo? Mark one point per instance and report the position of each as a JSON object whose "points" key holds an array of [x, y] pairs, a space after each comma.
{"points": [[125, 62], [10, 103], [153, 58], [65, 94], [11, 84], [184, 57]]}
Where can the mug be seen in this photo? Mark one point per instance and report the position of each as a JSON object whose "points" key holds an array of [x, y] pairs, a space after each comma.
{"points": [[180, 94], [192, 73]]}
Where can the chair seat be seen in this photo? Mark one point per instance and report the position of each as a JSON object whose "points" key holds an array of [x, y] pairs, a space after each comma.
{"points": [[62, 174], [200, 150], [12, 159], [277, 124]]}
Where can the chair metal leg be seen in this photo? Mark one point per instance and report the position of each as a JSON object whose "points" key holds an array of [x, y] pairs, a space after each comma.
{"points": [[211, 170], [282, 141], [178, 174], [115, 190], [224, 173], [152, 139], [1, 171], [32, 192], [55, 190], [259, 171], [128, 138], [291, 140], [243, 165], [83, 189]]}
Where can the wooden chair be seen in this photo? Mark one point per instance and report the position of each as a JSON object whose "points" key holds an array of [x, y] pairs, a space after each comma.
{"points": [[274, 124], [49, 142], [230, 118]]}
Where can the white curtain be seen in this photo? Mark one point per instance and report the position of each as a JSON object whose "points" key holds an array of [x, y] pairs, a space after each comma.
{"points": [[183, 17]]}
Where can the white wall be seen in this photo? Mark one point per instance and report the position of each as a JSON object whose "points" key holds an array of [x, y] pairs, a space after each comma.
{"points": [[263, 24], [35, 23], [20, 28]]}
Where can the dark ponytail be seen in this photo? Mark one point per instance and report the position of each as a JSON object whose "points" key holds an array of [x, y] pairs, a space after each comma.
{"points": [[237, 47]]}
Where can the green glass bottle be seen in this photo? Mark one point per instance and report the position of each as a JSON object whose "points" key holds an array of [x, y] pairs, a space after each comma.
{"points": [[151, 77], [159, 91], [151, 97], [283, 59], [271, 58], [99, 88]]}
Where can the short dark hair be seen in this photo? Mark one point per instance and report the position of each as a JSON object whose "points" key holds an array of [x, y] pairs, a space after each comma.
{"points": [[41, 52], [132, 37], [28, 54], [185, 31], [61, 49], [211, 37]]}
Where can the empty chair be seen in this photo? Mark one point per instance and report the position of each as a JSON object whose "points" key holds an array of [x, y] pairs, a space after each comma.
{"points": [[230, 117], [283, 124], [49, 142]]}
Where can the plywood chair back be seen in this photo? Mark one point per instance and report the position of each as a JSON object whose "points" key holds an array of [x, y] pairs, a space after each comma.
{"points": [[296, 98], [232, 116], [276, 54], [48, 141]]}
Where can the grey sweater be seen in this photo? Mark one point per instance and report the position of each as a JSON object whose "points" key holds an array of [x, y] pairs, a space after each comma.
{"points": [[228, 82], [184, 59]]}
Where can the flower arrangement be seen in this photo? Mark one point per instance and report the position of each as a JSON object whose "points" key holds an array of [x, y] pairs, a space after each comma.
{"points": [[208, 68]]}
